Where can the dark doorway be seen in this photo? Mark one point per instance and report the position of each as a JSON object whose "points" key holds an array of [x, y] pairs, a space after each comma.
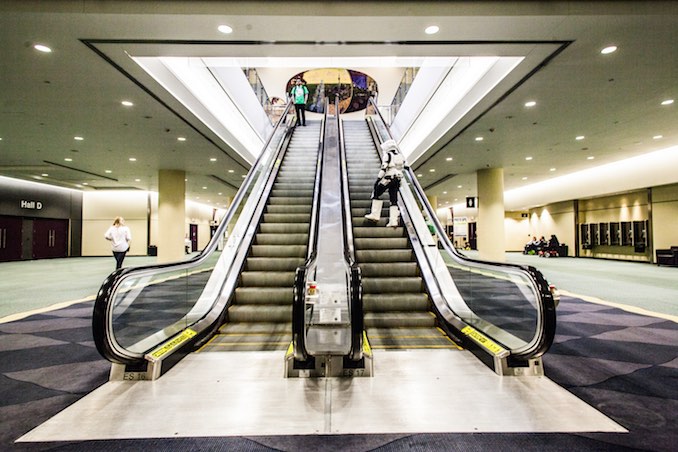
{"points": [[193, 236], [10, 239], [472, 237], [50, 238]]}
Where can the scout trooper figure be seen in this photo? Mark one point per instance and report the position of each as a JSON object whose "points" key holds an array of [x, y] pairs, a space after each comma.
{"points": [[389, 178]]}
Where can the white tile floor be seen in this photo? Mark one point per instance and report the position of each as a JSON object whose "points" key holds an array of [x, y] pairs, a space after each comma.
{"points": [[232, 394]]}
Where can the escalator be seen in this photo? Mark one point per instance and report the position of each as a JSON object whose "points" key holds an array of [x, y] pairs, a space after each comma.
{"points": [[397, 309], [260, 315]]}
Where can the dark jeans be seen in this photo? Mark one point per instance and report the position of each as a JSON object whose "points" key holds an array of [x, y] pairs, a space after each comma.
{"points": [[392, 187], [301, 113], [119, 257]]}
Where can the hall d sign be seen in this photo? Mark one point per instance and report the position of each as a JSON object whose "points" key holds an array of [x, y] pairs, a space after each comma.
{"points": [[32, 205], [471, 202]]}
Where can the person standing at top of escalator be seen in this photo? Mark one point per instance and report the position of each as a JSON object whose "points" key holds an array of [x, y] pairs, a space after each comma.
{"points": [[299, 95], [388, 179]]}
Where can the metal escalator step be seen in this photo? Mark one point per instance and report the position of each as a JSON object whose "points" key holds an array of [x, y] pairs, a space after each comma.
{"points": [[278, 251], [263, 238], [362, 221], [291, 192], [365, 203], [264, 295], [396, 302], [287, 200], [263, 313], [381, 243], [384, 256], [287, 217], [367, 231], [286, 228], [267, 279], [403, 338], [244, 328], [399, 320], [393, 285], [289, 209], [391, 269], [249, 342], [273, 264]]}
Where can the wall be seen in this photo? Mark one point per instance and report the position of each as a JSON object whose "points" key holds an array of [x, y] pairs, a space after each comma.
{"points": [[98, 211], [664, 216], [557, 219]]}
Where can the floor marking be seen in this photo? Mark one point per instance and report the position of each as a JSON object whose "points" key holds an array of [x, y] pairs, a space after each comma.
{"points": [[53, 307], [624, 307]]}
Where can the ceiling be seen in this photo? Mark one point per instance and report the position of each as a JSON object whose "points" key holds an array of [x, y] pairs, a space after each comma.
{"points": [[614, 101]]}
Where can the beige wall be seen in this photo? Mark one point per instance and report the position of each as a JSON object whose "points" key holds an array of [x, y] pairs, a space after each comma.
{"points": [[101, 207], [558, 219], [98, 211], [665, 216]]}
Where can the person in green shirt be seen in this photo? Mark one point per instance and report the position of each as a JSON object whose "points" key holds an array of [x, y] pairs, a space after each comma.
{"points": [[299, 95]]}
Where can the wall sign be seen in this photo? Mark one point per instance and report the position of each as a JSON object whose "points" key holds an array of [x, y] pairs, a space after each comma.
{"points": [[31, 205]]}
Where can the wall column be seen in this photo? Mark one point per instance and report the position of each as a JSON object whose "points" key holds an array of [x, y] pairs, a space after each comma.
{"points": [[171, 215], [490, 228]]}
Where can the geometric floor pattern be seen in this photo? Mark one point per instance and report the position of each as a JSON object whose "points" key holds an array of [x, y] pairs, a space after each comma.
{"points": [[623, 364]]}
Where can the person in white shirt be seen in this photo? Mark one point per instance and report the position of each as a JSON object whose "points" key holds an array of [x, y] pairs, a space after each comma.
{"points": [[120, 236]]}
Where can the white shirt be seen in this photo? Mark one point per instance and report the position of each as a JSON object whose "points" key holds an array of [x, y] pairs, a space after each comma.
{"points": [[120, 236]]}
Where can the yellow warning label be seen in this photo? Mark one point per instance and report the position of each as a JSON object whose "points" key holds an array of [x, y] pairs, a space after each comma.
{"points": [[170, 345], [367, 350], [483, 340]]}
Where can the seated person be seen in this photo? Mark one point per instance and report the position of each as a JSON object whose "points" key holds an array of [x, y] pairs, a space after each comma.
{"points": [[531, 246]]}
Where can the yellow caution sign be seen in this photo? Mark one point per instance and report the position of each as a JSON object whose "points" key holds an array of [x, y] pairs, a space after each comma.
{"points": [[170, 345], [483, 340]]}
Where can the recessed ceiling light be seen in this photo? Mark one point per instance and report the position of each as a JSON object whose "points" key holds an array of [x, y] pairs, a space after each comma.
{"points": [[244, 176], [44, 174], [666, 102], [444, 193], [608, 49], [658, 137], [204, 188], [108, 171], [181, 139], [231, 171], [419, 175], [580, 137], [432, 29], [213, 159], [590, 157], [530, 104], [524, 178], [68, 159], [432, 170], [225, 29], [528, 158], [132, 159], [78, 138], [127, 103], [85, 183], [137, 180], [449, 159], [552, 169], [479, 138], [459, 186], [220, 193], [42, 48]]}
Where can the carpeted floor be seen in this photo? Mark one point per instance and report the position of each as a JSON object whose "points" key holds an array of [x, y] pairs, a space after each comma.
{"points": [[625, 365]]}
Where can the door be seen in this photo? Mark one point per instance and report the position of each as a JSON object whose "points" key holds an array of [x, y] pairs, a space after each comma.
{"points": [[472, 237], [10, 239], [193, 233], [50, 238]]}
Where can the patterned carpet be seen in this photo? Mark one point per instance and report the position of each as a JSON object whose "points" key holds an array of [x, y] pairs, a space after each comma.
{"points": [[625, 365]]}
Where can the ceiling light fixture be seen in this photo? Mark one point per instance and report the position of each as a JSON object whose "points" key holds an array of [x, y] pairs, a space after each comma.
{"points": [[44, 174], [419, 175], [181, 138], [459, 186], [127, 103], [132, 159], [225, 29], [580, 137], [42, 48], [590, 157], [552, 169], [449, 159], [667, 102], [137, 180], [78, 138], [479, 138], [432, 170], [530, 104], [658, 137], [432, 29], [213, 159], [609, 49], [231, 171], [204, 188], [108, 171], [525, 178], [528, 158], [68, 159]]}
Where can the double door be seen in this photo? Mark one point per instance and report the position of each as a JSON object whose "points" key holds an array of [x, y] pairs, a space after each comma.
{"points": [[32, 238]]}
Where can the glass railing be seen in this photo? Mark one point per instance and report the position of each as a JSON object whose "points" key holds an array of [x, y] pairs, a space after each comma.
{"points": [[510, 304], [139, 308]]}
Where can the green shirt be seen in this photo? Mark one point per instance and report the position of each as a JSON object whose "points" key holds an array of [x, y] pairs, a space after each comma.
{"points": [[299, 93]]}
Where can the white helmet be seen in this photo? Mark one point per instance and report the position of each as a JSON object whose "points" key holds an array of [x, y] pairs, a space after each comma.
{"points": [[389, 145]]}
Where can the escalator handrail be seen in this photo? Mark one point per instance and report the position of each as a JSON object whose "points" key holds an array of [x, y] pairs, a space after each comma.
{"points": [[101, 327], [547, 318], [355, 276], [300, 274]]}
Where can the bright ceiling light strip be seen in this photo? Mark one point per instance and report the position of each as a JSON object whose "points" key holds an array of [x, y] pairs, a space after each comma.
{"points": [[323, 62]]}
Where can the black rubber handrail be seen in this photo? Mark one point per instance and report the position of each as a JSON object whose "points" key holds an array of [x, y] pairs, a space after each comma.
{"points": [[547, 320], [300, 274], [102, 332]]}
